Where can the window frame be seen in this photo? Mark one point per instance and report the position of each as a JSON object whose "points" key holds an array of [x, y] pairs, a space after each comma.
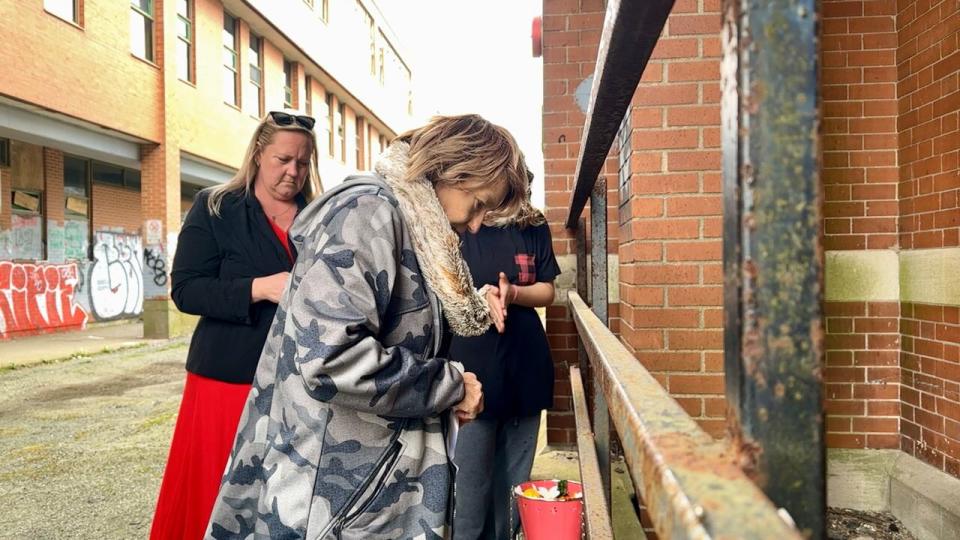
{"points": [[308, 95], [289, 83], [259, 70], [235, 51], [76, 19], [190, 39], [150, 47], [330, 126], [4, 152]]}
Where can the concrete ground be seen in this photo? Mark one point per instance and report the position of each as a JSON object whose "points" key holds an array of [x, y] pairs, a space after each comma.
{"points": [[43, 348], [85, 441], [85, 434]]}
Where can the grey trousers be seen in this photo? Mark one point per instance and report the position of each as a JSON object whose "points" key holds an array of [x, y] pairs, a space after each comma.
{"points": [[492, 457]]}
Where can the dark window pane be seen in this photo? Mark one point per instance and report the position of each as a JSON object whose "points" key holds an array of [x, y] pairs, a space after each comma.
{"points": [[107, 174], [75, 176], [131, 178], [229, 31]]}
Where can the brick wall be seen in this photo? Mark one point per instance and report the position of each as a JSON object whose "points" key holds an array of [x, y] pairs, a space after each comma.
{"points": [[890, 103], [123, 94], [859, 85], [862, 374], [671, 249], [928, 65], [116, 207], [570, 40], [930, 361]]}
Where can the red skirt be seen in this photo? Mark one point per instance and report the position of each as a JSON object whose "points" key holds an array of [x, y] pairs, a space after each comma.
{"points": [[202, 441]]}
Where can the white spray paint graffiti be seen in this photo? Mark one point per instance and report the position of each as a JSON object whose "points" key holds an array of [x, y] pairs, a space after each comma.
{"points": [[114, 281]]}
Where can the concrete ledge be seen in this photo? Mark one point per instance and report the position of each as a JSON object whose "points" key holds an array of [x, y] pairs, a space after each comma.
{"points": [[925, 499]]}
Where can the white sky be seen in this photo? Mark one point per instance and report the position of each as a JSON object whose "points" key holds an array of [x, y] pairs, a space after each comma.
{"points": [[470, 56]]}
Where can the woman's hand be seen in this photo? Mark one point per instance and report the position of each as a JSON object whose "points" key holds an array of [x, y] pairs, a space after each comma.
{"points": [[269, 288], [472, 403], [498, 312]]}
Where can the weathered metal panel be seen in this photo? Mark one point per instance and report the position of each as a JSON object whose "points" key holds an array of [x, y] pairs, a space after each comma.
{"points": [[773, 258], [691, 484]]}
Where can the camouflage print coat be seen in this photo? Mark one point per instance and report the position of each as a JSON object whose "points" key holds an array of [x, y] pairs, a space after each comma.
{"points": [[343, 433]]}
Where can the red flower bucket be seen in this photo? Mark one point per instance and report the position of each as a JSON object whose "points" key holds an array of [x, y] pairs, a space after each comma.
{"points": [[551, 520]]}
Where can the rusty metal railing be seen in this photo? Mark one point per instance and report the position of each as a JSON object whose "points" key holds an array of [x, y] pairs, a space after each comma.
{"points": [[694, 486], [689, 482]]}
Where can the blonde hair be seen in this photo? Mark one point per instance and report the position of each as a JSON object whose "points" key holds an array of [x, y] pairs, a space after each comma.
{"points": [[454, 149], [262, 137]]}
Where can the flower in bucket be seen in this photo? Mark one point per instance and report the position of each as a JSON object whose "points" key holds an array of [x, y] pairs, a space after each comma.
{"points": [[557, 492]]}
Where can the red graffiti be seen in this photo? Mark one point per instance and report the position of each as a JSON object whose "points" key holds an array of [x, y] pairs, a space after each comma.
{"points": [[38, 297]]}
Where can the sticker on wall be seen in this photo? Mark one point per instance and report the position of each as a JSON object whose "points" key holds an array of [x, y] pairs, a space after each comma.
{"points": [[154, 228]]}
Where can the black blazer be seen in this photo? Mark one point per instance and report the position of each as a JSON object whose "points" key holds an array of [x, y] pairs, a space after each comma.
{"points": [[213, 269]]}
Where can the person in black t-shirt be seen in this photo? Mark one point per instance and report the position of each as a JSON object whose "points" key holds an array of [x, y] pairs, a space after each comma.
{"points": [[496, 451]]}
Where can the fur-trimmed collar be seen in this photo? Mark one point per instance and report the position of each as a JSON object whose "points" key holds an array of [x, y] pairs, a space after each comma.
{"points": [[436, 244]]}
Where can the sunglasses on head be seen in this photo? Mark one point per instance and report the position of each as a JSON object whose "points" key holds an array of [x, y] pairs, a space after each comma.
{"points": [[284, 119]]}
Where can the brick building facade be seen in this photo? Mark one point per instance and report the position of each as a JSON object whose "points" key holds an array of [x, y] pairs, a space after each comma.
{"points": [[117, 113], [890, 143]]}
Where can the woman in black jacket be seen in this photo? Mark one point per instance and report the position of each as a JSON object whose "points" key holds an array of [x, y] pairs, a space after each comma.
{"points": [[232, 263]]}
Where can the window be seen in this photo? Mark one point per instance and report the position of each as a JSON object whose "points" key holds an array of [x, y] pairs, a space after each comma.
{"points": [[104, 173], [76, 213], [341, 123], [288, 83], [368, 20], [231, 61], [141, 29], [308, 95], [382, 61], [185, 40], [624, 136], [4, 152], [329, 123], [256, 73], [325, 10], [359, 129], [67, 10], [26, 184]]}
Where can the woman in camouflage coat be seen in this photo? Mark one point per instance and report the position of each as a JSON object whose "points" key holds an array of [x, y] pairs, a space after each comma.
{"points": [[343, 431]]}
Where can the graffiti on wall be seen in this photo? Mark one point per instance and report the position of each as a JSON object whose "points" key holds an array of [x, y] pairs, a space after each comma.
{"points": [[38, 297], [27, 237], [113, 283], [155, 271], [75, 232]]}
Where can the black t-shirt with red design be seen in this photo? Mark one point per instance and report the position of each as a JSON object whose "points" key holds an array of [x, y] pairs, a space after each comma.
{"points": [[515, 367]]}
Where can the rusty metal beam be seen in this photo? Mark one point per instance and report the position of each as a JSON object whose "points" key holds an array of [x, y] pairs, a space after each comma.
{"points": [[630, 31], [773, 262], [689, 482], [596, 509]]}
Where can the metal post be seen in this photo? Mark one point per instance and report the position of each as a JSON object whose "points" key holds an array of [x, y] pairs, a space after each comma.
{"points": [[772, 256], [599, 303], [581, 247]]}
